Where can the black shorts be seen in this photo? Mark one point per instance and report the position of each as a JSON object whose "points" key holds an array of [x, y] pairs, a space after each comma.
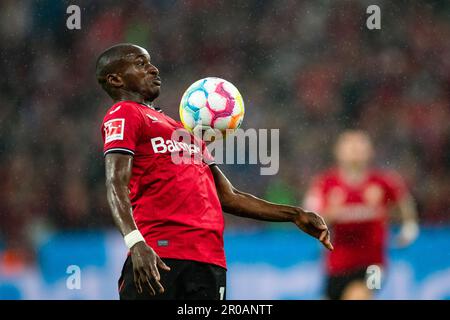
{"points": [[335, 285], [187, 280]]}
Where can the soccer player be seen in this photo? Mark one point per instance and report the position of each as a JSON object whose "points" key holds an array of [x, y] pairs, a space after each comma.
{"points": [[355, 199], [170, 214]]}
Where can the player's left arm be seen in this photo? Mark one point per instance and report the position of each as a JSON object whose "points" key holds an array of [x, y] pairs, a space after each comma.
{"points": [[409, 220], [246, 205], [402, 199]]}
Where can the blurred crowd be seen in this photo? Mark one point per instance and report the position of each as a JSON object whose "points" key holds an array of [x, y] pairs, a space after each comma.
{"points": [[310, 68]]}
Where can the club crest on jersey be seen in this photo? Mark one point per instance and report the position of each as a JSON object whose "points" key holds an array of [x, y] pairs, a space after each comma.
{"points": [[114, 130]]}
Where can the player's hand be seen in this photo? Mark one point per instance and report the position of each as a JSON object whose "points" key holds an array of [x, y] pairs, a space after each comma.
{"points": [[145, 268], [408, 234], [314, 225]]}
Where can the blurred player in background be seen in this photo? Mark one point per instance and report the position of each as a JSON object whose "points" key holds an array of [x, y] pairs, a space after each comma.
{"points": [[355, 199], [169, 214]]}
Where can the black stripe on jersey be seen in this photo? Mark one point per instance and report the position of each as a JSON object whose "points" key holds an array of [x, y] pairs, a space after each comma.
{"points": [[119, 150]]}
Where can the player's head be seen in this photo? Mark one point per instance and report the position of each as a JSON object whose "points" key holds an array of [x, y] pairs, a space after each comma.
{"points": [[353, 149], [126, 69]]}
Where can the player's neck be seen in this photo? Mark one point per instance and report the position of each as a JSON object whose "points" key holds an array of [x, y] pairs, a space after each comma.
{"points": [[353, 174], [133, 96]]}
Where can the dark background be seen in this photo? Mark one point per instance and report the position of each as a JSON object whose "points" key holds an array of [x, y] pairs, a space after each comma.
{"points": [[309, 68]]}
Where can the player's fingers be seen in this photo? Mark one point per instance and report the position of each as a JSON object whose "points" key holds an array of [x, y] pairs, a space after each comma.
{"points": [[162, 265], [155, 276], [328, 245], [323, 235], [152, 291], [137, 282], [322, 226], [319, 223], [327, 242], [145, 277], [158, 286], [154, 271]]}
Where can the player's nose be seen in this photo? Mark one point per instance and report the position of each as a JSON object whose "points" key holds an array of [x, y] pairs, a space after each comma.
{"points": [[153, 70]]}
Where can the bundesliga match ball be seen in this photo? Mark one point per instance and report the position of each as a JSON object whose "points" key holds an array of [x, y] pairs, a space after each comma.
{"points": [[212, 103]]}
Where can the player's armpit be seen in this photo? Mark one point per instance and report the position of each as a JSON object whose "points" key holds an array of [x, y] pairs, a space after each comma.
{"points": [[225, 189]]}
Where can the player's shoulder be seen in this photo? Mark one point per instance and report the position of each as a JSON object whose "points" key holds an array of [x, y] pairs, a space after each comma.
{"points": [[385, 175], [122, 108], [171, 120], [327, 176]]}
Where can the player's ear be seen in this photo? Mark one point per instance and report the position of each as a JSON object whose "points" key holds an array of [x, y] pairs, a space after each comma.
{"points": [[114, 80]]}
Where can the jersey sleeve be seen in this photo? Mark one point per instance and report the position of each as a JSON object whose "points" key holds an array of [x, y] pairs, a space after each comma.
{"points": [[314, 199], [395, 187], [121, 129]]}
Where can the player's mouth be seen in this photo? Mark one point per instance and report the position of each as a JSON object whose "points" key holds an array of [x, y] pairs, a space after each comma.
{"points": [[157, 81]]}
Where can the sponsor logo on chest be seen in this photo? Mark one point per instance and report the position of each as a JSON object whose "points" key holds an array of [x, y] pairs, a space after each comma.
{"points": [[160, 145]]}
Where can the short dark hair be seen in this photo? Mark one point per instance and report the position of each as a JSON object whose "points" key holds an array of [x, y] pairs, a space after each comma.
{"points": [[108, 62]]}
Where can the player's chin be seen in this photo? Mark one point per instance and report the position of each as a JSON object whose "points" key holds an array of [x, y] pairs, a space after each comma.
{"points": [[153, 92]]}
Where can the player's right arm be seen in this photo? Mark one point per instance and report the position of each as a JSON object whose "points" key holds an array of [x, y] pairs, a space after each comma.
{"points": [[144, 259], [121, 131]]}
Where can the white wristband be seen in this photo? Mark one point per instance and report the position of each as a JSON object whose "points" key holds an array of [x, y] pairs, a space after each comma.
{"points": [[132, 238], [410, 230]]}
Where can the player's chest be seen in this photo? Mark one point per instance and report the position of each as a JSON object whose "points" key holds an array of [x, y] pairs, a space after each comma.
{"points": [[156, 124], [162, 135], [369, 193]]}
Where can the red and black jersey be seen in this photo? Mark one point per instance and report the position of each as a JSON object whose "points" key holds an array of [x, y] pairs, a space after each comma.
{"points": [[360, 212], [175, 204]]}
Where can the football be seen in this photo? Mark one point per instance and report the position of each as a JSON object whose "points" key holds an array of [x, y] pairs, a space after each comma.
{"points": [[212, 103]]}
